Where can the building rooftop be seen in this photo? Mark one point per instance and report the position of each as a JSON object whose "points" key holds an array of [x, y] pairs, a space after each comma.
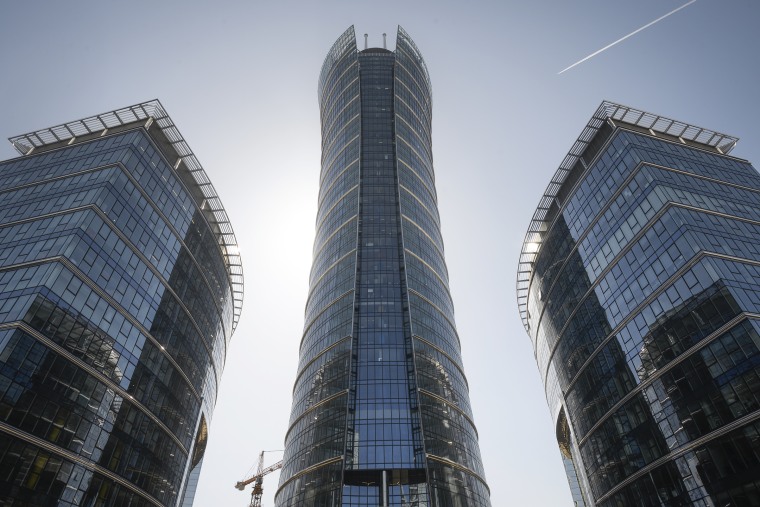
{"points": [[376, 50], [201, 188], [614, 114]]}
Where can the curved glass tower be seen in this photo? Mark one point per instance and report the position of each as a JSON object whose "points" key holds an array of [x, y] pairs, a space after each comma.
{"points": [[638, 285], [381, 412], [120, 287]]}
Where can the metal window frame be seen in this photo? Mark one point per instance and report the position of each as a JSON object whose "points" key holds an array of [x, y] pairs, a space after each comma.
{"points": [[211, 204], [541, 221]]}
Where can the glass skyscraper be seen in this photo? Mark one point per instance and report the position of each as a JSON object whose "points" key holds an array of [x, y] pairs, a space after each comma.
{"points": [[120, 287], [639, 285], [381, 412]]}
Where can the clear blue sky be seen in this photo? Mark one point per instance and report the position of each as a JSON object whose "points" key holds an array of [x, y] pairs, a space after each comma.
{"points": [[239, 79]]}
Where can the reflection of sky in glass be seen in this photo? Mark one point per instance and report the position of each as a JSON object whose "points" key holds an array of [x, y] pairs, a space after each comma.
{"points": [[383, 422], [240, 79], [671, 275]]}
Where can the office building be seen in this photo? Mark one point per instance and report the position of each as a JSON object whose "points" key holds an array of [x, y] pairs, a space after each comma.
{"points": [[120, 287], [639, 285], [381, 412]]}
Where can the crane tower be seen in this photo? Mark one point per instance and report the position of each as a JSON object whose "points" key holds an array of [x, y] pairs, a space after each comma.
{"points": [[258, 480]]}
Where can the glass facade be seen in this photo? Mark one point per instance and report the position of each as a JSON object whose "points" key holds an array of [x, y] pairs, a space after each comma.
{"points": [[381, 412], [117, 302], [638, 285]]}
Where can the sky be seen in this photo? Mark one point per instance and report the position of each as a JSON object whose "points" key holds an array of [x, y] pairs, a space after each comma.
{"points": [[239, 78]]}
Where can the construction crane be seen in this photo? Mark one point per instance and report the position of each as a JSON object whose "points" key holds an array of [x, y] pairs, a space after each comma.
{"points": [[258, 480]]}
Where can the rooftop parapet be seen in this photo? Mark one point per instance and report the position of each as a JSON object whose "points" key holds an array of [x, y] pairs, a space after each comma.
{"points": [[613, 115], [203, 192]]}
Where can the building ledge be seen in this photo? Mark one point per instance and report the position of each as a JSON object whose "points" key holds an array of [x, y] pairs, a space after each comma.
{"points": [[153, 117], [612, 115]]}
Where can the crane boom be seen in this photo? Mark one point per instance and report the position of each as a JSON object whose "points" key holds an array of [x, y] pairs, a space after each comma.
{"points": [[242, 484], [258, 479]]}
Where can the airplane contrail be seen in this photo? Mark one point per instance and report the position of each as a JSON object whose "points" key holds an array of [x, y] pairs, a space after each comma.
{"points": [[608, 46]]}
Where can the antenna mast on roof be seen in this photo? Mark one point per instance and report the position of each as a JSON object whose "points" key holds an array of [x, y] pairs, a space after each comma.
{"points": [[365, 41], [384, 46]]}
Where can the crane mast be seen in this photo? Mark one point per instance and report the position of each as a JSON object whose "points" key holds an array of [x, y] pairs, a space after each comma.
{"points": [[258, 480]]}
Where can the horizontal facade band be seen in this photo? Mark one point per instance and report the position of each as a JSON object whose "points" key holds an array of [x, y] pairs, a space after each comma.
{"points": [[441, 312], [323, 310], [431, 192], [151, 119], [322, 353], [623, 252], [423, 123], [335, 136], [539, 224], [444, 284], [426, 91], [432, 215], [452, 405], [447, 356], [326, 241], [457, 466], [747, 419], [327, 168], [313, 407], [703, 254], [335, 204], [325, 271], [324, 191], [426, 161], [70, 456], [305, 471], [50, 344], [664, 369], [325, 99], [600, 214], [145, 196], [100, 292]]}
